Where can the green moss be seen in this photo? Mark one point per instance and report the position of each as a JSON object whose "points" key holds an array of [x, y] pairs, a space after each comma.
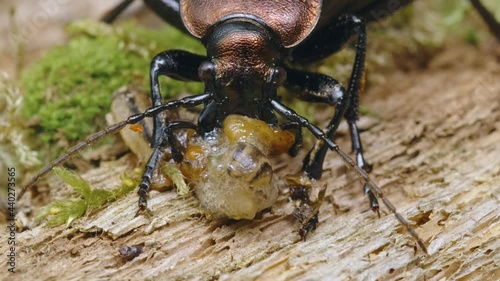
{"points": [[66, 211], [69, 90], [14, 149]]}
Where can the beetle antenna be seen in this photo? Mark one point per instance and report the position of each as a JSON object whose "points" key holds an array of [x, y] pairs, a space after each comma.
{"points": [[133, 119], [365, 179], [73, 150]]}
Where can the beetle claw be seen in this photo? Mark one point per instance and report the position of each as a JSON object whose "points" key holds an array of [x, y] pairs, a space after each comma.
{"points": [[309, 226]]}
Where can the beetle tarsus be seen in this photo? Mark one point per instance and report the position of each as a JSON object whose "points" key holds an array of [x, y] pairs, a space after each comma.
{"points": [[302, 188], [374, 205], [308, 227]]}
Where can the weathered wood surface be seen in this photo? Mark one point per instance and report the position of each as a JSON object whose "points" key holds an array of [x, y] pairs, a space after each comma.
{"points": [[436, 154]]}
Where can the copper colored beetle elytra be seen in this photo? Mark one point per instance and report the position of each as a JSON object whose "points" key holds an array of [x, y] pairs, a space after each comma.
{"points": [[250, 44]]}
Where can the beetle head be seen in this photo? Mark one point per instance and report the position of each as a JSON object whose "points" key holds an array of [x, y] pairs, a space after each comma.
{"points": [[244, 63]]}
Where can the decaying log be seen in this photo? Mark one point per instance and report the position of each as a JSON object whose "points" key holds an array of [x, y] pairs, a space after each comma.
{"points": [[434, 141]]}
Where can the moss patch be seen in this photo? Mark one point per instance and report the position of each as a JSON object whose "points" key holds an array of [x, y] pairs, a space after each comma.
{"points": [[14, 148], [66, 211], [68, 91]]}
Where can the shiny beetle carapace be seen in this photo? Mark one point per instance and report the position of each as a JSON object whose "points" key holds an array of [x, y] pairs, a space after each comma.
{"points": [[250, 44]]}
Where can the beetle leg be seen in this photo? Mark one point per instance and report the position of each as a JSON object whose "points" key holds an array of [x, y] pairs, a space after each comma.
{"points": [[306, 210], [298, 137], [488, 18], [145, 183], [111, 15], [168, 10], [171, 140], [168, 139], [291, 115], [327, 40], [179, 65], [314, 85]]}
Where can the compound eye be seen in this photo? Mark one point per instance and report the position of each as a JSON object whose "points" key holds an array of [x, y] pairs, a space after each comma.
{"points": [[278, 77], [206, 71]]}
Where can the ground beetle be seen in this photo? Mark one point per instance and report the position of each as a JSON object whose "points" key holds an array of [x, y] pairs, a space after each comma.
{"points": [[250, 45]]}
